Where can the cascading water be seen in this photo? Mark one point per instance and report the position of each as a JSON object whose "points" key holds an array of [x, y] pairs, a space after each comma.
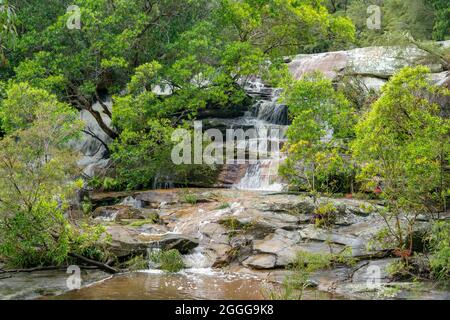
{"points": [[269, 118]]}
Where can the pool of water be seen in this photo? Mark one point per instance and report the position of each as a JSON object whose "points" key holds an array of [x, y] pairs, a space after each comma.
{"points": [[187, 285]]}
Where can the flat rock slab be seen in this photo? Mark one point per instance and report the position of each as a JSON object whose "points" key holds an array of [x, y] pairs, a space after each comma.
{"points": [[376, 62], [117, 213], [127, 241], [43, 283], [261, 261]]}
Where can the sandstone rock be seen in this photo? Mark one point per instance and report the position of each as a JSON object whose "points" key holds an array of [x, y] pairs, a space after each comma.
{"points": [[284, 203], [128, 241], [38, 284], [117, 213], [281, 244], [92, 144], [156, 198], [312, 233], [373, 62], [261, 261], [170, 241]]}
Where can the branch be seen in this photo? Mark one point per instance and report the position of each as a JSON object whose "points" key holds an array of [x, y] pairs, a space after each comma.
{"points": [[102, 266]]}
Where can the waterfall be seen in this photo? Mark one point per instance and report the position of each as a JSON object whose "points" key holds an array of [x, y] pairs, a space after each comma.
{"points": [[267, 114]]}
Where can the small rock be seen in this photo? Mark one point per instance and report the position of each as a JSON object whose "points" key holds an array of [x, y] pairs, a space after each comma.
{"points": [[261, 261], [117, 213]]}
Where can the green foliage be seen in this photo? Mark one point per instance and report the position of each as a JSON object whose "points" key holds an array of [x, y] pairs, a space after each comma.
{"points": [[402, 142], [317, 139], [91, 242], [440, 250], [170, 260], [37, 170], [8, 31], [303, 267], [137, 263], [441, 30], [325, 215], [223, 206], [152, 220], [284, 27], [423, 19], [190, 198], [35, 237]]}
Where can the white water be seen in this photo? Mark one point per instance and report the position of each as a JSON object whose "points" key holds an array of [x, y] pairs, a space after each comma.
{"points": [[270, 119]]}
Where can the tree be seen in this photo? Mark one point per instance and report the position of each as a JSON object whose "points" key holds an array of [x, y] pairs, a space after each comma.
{"points": [[116, 36], [403, 141], [284, 27], [317, 139], [441, 29], [37, 169], [7, 28]]}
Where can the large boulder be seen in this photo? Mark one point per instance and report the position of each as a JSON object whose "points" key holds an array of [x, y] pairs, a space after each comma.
{"points": [[281, 244], [261, 261], [127, 241], [94, 141], [371, 62]]}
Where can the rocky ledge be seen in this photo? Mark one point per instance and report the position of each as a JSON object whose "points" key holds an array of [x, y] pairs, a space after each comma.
{"points": [[257, 232]]}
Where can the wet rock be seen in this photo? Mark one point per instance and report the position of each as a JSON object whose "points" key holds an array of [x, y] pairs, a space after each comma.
{"points": [[117, 213], [125, 242], [223, 254], [290, 204], [312, 233], [156, 198], [261, 261], [282, 244], [128, 241], [214, 233], [231, 174], [32, 285], [108, 198], [171, 241]]}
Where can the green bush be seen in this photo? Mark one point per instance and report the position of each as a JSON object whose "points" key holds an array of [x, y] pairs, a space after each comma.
{"points": [[137, 263], [35, 238], [325, 215], [170, 260], [190, 198], [440, 250]]}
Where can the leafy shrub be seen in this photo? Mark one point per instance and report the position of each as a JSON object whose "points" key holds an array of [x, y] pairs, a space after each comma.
{"points": [[223, 206], [153, 219], [440, 250], [137, 263], [303, 266], [38, 237], [325, 215], [91, 242], [190, 198], [170, 261]]}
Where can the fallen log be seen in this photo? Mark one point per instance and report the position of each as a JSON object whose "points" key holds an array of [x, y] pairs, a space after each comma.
{"points": [[47, 268], [98, 264]]}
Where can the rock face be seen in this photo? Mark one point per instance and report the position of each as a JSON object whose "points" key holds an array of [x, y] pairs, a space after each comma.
{"points": [[372, 63], [258, 230], [27, 285], [117, 213], [93, 142], [127, 241], [261, 261]]}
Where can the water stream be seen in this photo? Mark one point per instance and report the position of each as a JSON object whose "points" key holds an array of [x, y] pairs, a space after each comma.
{"points": [[269, 118]]}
